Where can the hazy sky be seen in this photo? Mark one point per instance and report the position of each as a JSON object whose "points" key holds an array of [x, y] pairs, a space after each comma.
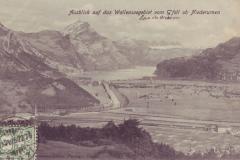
{"points": [[191, 31]]}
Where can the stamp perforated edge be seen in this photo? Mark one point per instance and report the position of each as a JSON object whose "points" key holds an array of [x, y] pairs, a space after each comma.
{"points": [[10, 122]]}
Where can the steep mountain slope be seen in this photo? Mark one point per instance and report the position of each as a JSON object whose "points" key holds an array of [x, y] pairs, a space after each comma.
{"points": [[98, 52], [28, 78], [46, 94], [17, 54], [64, 94], [56, 48], [221, 62]]}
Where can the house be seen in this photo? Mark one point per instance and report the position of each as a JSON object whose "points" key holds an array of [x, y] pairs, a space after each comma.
{"points": [[211, 127], [229, 76], [224, 129]]}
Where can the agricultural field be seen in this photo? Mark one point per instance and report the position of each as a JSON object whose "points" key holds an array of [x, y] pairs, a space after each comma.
{"points": [[192, 140], [193, 104], [191, 101]]}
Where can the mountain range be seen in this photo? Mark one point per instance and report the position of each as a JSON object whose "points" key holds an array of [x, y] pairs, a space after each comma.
{"points": [[37, 64], [80, 47]]}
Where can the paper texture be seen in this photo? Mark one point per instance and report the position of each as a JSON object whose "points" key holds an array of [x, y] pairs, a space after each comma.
{"points": [[127, 80]]}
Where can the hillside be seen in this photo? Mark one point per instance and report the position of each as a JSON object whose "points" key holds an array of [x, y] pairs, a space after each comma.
{"points": [[57, 49], [219, 63], [18, 55], [125, 141], [28, 78], [98, 52], [46, 94]]}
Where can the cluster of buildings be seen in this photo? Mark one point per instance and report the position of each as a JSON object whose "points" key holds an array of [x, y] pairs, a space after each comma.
{"points": [[235, 131], [229, 76]]}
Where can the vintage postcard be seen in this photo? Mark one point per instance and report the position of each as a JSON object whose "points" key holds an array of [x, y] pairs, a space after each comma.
{"points": [[119, 80]]}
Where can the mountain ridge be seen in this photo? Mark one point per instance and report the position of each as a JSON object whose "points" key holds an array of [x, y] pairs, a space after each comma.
{"points": [[80, 47], [28, 78], [212, 64]]}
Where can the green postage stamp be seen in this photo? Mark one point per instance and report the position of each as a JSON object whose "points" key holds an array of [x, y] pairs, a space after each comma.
{"points": [[18, 141]]}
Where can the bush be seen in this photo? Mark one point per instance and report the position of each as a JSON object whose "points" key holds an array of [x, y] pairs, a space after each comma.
{"points": [[128, 134]]}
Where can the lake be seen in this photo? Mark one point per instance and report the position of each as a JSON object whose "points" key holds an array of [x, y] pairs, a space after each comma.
{"points": [[122, 74]]}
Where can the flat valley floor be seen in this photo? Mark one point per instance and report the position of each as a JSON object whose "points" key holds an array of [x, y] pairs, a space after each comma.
{"points": [[183, 114]]}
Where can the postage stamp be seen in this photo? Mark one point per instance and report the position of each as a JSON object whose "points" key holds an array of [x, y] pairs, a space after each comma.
{"points": [[18, 140]]}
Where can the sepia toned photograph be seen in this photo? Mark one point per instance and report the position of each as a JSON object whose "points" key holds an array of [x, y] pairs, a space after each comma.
{"points": [[119, 80]]}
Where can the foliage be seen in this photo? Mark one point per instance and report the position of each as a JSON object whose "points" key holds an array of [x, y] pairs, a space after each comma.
{"points": [[128, 133]]}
